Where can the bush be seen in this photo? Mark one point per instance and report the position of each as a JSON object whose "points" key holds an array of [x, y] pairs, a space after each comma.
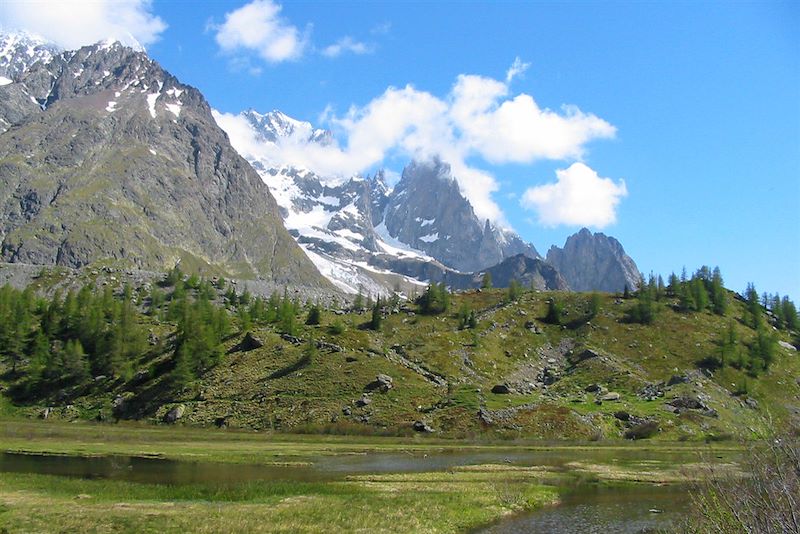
{"points": [[337, 328], [555, 312], [643, 430]]}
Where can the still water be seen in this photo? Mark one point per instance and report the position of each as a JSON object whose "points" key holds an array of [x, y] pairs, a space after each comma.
{"points": [[585, 508]]}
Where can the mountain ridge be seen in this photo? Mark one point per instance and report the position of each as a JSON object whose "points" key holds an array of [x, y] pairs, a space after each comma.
{"points": [[110, 156]]}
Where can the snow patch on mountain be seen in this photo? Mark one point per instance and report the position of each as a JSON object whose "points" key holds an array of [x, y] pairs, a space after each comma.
{"points": [[20, 50], [359, 222]]}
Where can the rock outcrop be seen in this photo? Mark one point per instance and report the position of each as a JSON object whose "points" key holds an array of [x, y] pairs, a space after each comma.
{"points": [[594, 262], [108, 157]]}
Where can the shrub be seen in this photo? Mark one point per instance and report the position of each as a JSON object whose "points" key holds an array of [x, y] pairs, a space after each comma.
{"points": [[643, 430]]}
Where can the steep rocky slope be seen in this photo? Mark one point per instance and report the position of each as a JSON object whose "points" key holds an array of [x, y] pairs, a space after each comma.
{"points": [[108, 157], [427, 211], [361, 232], [594, 262]]}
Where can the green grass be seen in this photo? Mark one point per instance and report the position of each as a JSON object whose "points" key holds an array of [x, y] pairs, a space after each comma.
{"points": [[250, 391], [454, 500], [50, 504]]}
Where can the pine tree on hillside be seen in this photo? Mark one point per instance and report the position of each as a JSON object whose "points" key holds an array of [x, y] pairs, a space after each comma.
{"points": [[314, 315], [699, 294], [753, 315], [73, 360], [377, 318], [486, 281], [555, 311], [719, 297]]}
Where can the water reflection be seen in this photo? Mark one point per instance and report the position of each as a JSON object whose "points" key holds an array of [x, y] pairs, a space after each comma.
{"points": [[593, 509]]}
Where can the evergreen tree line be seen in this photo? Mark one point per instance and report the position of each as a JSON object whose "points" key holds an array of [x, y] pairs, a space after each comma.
{"points": [[705, 291], [68, 338], [280, 310], [556, 313], [435, 300]]}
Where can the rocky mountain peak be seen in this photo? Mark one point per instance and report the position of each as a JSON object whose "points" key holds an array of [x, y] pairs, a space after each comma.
{"points": [[594, 262], [124, 163], [19, 51], [276, 126], [428, 211]]}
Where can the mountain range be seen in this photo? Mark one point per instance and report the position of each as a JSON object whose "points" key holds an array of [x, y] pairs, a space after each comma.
{"points": [[106, 157]]}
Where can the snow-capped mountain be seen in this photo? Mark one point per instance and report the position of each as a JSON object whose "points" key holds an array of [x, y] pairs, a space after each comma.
{"points": [[108, 157], [427, 210], [275, 125], [20, 50], [123, 161], [360, 231]]}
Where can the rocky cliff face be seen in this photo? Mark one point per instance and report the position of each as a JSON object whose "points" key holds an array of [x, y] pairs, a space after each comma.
{"points": [[427, 211], [363, 234], [529, 272], [109, 157], [594, 262]]}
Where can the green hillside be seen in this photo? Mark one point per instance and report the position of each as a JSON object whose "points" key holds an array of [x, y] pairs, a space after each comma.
{"points": [[498, 363]]}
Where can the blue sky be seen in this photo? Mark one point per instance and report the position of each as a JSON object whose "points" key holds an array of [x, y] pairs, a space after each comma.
{"points": [[703, 100]]}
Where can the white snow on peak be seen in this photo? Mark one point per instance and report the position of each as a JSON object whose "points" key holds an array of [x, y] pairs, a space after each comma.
{"points": [[111, 107], [125, 40], [5, 81], [151, 100], [175, 92], [430, 238], [175, 109], [276, 126], [426, 222], [20, 49]]}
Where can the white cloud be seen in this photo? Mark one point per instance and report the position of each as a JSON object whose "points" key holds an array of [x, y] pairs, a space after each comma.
{"points": [[580, 197], [381, 29], [75, 23], [258, 27], [346, 44], [478, 119], [517, 69]]}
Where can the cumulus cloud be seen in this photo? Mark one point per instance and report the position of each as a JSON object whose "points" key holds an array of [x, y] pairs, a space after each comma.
{"points": [[75, 23], [477, 120], [258, 27], [579, 197], [344, 45]]}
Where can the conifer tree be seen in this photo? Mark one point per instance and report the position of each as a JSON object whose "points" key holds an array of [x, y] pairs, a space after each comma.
{"points": [[314, 315], [699, 294], [73, 360], [486, 281], [719, 298], [555, 311], [358, 302], [377, 318], [514, 290], [594, 305]]}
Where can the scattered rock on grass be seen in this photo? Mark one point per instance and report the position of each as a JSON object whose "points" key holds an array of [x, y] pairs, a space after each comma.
{"points": [[251, 342], [175, 414], [381, 383], [421, 426]]}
